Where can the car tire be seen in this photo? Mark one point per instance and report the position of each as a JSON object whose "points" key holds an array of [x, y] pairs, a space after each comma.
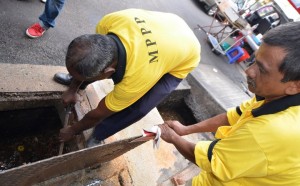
{"points": [[212, 10]]}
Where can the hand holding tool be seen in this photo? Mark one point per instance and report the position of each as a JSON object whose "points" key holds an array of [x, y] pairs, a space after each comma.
{"points": [[67, 116]]}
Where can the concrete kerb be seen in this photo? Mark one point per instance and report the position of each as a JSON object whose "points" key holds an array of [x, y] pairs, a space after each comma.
{"points": [[212, 92]]}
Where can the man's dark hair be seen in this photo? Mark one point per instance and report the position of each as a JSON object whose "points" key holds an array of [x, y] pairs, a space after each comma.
{"points": [[90, 54], [287, 36]]}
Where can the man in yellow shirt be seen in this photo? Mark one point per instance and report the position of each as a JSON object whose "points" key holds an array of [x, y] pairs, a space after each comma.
{"points": [[257, 143], [145, 53]]}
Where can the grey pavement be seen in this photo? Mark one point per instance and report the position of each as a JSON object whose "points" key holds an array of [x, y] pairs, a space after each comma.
{"points": [[80, 17]]}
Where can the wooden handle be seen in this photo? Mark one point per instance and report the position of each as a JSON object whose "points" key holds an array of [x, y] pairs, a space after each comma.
{"points": [[68, 112]]}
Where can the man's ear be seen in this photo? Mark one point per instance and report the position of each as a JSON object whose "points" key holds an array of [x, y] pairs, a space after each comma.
{"points": [[293, 88], [109, 71]]}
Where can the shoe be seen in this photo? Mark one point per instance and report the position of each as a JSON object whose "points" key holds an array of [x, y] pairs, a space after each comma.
{"points": [[91, 142], [63, 78], [66, 79], [43, 1], [35, 31]]}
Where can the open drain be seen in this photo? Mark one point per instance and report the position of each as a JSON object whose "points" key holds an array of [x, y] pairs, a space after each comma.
{"points": [[28, 135], [29, 128], [177, 111]]}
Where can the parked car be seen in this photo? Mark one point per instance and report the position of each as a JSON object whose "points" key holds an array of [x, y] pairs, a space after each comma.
{"points": [[210, 7], [266, 17]]}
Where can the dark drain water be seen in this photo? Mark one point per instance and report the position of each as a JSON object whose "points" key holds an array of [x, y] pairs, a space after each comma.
{"points": [[28, 135]]}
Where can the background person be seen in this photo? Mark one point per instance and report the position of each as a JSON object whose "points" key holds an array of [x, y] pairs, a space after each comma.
{"points": [[47, 19], [258, 142]]}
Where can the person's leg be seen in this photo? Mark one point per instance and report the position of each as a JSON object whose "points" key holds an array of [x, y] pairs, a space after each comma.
{"points": [[138, 110], [52, 10], [47, 19]]}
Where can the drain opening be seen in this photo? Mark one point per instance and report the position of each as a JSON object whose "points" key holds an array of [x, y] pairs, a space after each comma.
{"points": [[29, 135], [176, 111]]}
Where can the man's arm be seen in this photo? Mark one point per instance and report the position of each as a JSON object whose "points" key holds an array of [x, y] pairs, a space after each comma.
{"points": [[185, 147], [209, 125], [88, 121]]}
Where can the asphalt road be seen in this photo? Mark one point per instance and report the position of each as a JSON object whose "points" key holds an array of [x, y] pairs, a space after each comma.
{"points": [[80, 17]]}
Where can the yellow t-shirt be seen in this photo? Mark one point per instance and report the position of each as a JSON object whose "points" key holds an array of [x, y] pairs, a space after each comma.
{"points": [[253, 151], [156, 43]]}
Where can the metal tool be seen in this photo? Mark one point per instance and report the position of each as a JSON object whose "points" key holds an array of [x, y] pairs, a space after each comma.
{"points": [[67, 116]]}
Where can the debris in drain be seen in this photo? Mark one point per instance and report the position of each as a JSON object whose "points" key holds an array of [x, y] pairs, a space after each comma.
{"points": [[179, 112], [20, 151], [29, 135]]}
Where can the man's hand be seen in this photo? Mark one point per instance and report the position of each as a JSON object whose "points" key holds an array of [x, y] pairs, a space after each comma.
{"points": [[167, 134], [179, 128], [66, 134], [69, 97], [185, 147]]}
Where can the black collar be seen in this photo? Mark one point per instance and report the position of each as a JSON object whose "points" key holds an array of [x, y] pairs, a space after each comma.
{"points": [[121, 65], [276, 105]]}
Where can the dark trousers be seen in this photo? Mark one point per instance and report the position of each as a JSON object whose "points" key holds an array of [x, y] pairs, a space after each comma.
{"points": [[138, 110]]}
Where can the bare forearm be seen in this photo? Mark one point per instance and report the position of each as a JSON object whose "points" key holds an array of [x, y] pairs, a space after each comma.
{"points": [[209, 125], [185, 148], [88, 121], [93, 117]]}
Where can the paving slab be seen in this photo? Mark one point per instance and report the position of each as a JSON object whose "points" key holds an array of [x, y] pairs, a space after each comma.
{"points": [[29, 78]]}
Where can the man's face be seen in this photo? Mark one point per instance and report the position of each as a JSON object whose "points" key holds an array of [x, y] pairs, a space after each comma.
{"points": [[75, 75], [263, 77]]}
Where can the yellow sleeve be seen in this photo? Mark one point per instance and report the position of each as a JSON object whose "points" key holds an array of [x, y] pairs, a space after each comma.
{"points": [[232, 114], [234, 157], [200, 152]]}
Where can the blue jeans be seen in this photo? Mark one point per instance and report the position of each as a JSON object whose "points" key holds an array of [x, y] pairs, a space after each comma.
{"points": [[52, 9], [138, 110]]}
